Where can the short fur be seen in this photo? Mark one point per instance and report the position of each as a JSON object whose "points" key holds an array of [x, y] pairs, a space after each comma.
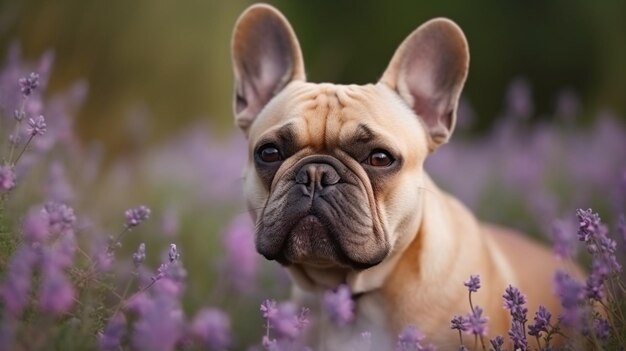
{"points": [[331, 217]]}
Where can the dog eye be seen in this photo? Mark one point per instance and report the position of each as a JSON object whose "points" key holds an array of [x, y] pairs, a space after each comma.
{"points": [[379, 158], [269, 153]]}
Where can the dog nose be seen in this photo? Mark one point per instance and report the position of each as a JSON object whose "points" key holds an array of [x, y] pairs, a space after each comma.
{"points": [[317, 175]]}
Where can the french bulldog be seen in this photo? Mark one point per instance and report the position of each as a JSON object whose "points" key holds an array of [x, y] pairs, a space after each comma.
{"points": [[336, 186]]}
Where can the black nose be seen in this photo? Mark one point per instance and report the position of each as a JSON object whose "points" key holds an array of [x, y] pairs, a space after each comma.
{"points": [[317, 176]]}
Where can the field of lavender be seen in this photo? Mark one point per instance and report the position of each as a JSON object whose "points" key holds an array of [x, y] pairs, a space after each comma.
{"points": [[154, 251]]}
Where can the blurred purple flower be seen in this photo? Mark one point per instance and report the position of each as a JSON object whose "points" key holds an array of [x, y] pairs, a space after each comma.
{"points": [[140, 255], [497, 343], [111, 337], [473, 284], [212, 326], [159, 327], [459, 323], [7, 178], [35, 226], [589, 223], [58, 188], [567, 105], [339, 305], [542, 322], [269, 309], [410, 339], [61, 217], [37, 126], [601, 328], [135, 216], [56, 293], [594, 287], [173, 253], [519, 102], [29, 84], [571, 294], [241, 256], [563, 239], [476, 323], [286, 323], [16, 285]]}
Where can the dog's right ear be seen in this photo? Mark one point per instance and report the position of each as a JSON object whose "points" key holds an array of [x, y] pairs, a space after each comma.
{"points": [[266, 57]]}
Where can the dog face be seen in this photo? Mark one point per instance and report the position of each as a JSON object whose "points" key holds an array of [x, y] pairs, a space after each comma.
{"points": [[333, 175]]}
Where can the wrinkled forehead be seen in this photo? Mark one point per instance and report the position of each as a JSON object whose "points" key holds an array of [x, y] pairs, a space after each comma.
{"points": [[328, 115]]}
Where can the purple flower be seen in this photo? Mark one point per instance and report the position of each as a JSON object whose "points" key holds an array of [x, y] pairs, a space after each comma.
{"points": [[159, 327], [135, 216], [476, 323], [519, 99], [29, 84], [339, 305], [212, 327], [410, 339], [563, 239], [140, 255], [60, 216], [110, 339], [269, 309], [473, 284], [518, 336], [515, 302], [459, 323], [286, 322], [35, 227], [542, 322], [621, 223], [588, 224], [17, 281], [601, 328], [37, 126], [594, 287], [7, 178], [173, 253], [497, 343], [241, 256], [571, 294], [56, 294]]}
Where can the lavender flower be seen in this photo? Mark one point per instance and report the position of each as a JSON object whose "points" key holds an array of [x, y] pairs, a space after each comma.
{"points": [[269, 309], [339, 305], [140, 255], [35, 226], [497, 343], [515, 302], [473, 284], [37, 126], [135, 216], [17, 281], [410, 339], [56, 294], [241, 256], [286, 322], [61, 217], [173, 253], [476, 323], [518, 336], [7, 178], [159, 327], [601, 328], [459, 323], [111, 338], [212, 327], [29, 84], [542, 322], [563, 239], [571, 294], [588, 224]]}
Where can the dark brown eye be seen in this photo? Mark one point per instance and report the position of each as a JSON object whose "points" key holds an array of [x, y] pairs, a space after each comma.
{"points": [[379, 158], [269, 154]]}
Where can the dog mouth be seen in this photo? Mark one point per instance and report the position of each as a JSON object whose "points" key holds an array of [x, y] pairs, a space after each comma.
{"points": [[319, 214]]}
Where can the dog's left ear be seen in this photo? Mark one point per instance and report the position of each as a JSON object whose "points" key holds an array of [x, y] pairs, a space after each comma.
{"points": [[428, 71]]}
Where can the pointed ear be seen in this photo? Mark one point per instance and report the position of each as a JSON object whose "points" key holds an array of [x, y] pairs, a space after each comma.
{"points": [[428, 71], [266, 57]]}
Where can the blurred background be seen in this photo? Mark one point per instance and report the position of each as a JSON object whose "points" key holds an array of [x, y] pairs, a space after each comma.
{"points": [[137, 97]]}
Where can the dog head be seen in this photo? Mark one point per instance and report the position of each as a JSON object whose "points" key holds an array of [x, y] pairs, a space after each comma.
{"points": [[333, 175]]}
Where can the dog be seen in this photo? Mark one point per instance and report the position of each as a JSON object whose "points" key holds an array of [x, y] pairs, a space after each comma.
{"points": [[336, 187]]}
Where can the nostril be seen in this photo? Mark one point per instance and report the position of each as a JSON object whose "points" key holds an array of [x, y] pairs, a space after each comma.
{"points": [[330, 177], [303, 176]]}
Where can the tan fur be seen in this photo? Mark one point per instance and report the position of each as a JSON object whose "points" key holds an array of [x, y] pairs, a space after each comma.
{"points": [[436, 243]]}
